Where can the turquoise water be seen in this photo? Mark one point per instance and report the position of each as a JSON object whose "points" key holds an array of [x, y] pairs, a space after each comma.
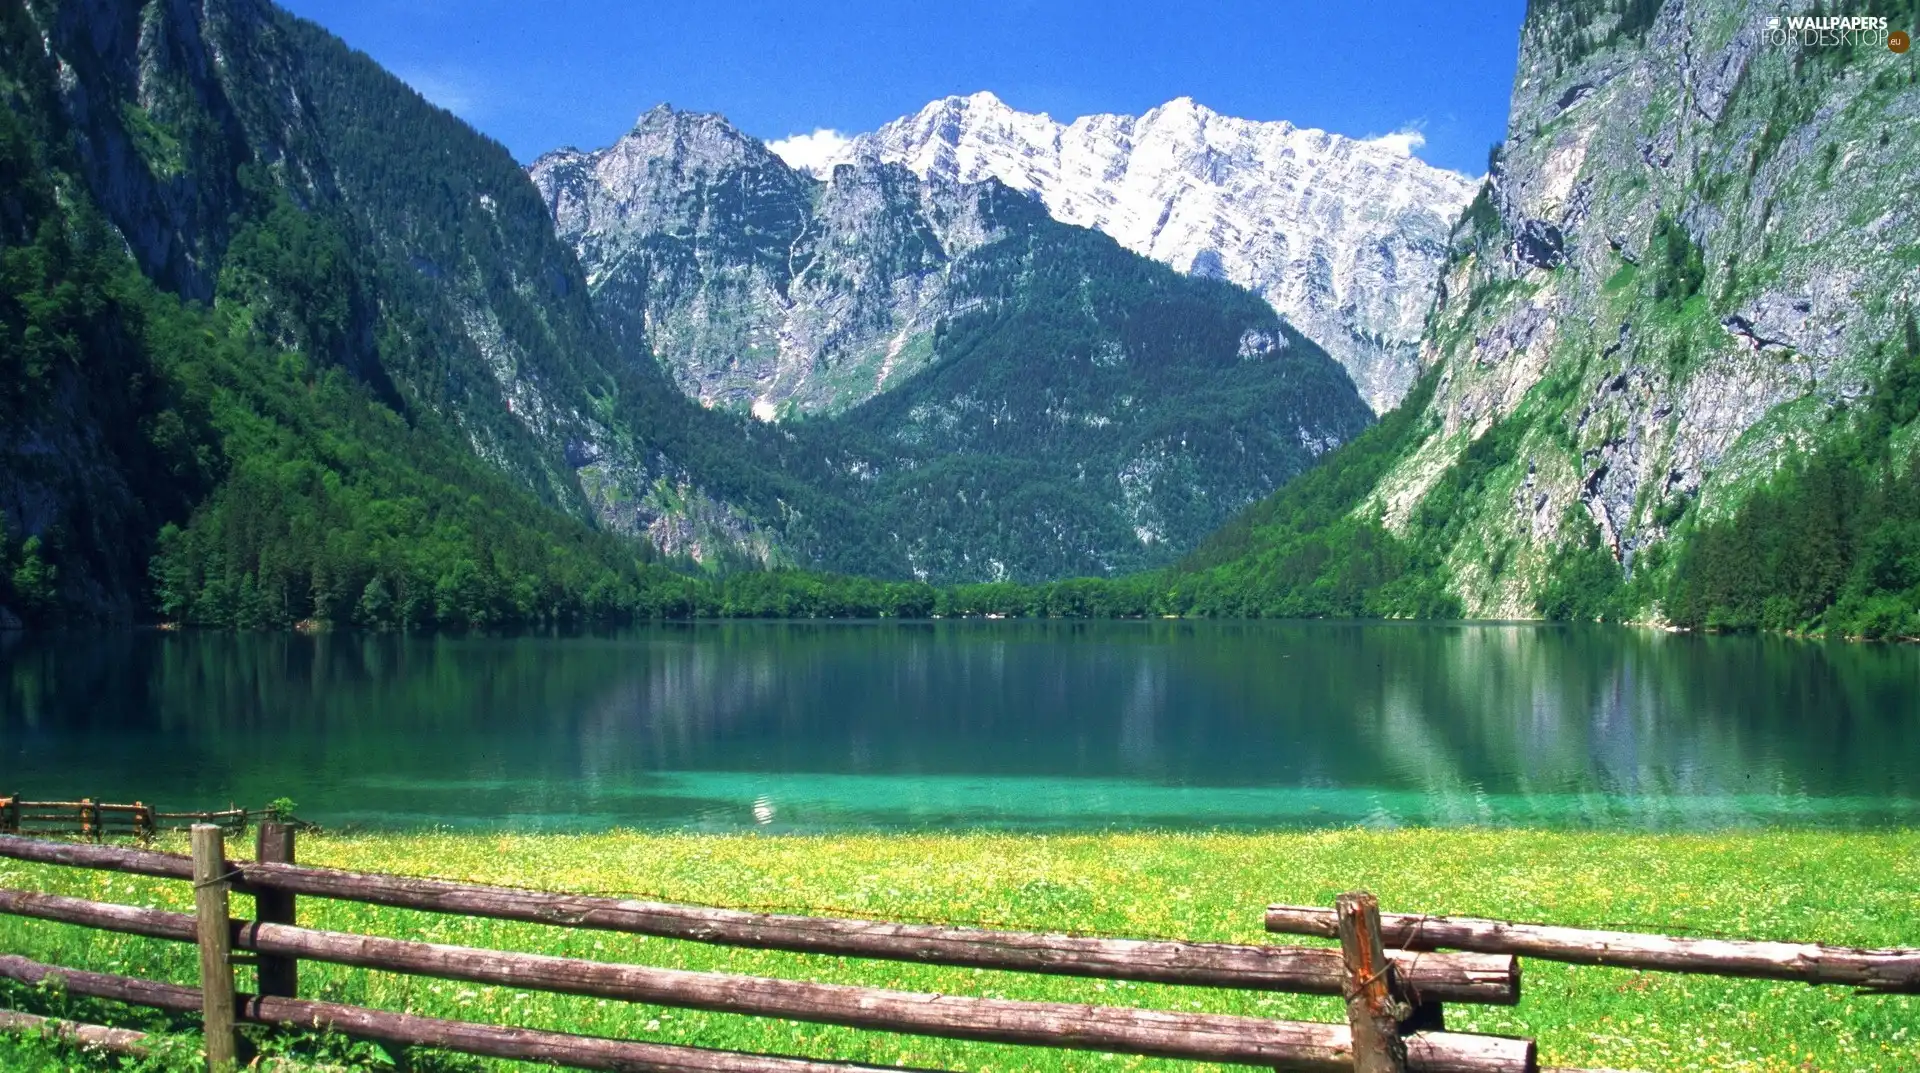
{"points": [[801, 726]]}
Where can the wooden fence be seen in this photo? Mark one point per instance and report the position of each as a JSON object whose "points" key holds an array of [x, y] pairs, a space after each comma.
{"points": [[1890, 972], [274, 881], [93, 819], [1394, 987]]}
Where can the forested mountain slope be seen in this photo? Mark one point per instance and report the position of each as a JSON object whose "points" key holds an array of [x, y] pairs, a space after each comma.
{"points": [[274, 483], [261, 290], [1096, 413], [1673, 373]]}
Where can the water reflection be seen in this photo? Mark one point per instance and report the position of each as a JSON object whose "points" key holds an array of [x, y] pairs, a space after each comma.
{"points": [[780, 726]]}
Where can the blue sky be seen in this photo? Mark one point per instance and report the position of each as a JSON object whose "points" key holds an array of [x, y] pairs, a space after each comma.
{"points": [[569, 72]]}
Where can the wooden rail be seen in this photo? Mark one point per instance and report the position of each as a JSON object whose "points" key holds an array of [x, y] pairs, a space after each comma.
{"points": [[125, 1041], [131, 1043], [407, 1030], [1282, 1045], [1198, 1037], [1475, 978], [96, 819], [85, 817], [1886, 971]]}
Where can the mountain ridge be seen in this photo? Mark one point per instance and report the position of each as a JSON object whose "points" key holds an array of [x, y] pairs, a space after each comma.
{"points": [[717, 247], [1344, 237], [1672, 372], [1007, 395]]}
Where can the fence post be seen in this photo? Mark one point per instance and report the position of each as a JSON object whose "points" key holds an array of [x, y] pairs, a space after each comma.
{"points": [[211, 887], [10, 814], [279, 976], [143, 825], [1372, 1013], [89, 819]]}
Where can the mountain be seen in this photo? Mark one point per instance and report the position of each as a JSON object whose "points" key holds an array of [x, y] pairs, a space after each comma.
{"points": [[1345, 238], [1000, 394], [286, 341], [1673, 372], [1096, 414], [761, 289]]}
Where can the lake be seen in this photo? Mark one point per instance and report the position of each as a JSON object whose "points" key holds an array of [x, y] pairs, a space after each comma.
{"points": [[1023, 726]]}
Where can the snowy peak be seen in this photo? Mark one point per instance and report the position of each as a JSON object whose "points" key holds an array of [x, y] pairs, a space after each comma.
{"points": [[1343, 236], [964, 139]]}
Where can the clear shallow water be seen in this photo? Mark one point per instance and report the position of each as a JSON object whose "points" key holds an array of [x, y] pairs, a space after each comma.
{"points": [[1008, 725]]}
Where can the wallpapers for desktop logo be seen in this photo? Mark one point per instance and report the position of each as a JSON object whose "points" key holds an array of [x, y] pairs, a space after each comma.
{"points": [[1826, 31]]}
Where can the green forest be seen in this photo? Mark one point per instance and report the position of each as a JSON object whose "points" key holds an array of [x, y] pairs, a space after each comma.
{"points": [[228, 461], [1832, 544]]}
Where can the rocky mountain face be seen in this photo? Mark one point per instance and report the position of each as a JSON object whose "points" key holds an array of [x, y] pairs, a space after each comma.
{"points": [[1345, 238], [1002, 395], [759, 288], [1691, 262]]}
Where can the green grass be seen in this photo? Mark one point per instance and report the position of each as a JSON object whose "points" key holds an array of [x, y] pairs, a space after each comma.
{"points": [[1852, 888]]}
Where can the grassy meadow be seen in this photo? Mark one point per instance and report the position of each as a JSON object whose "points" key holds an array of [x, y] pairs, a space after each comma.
{"points": [[1837, 887]]}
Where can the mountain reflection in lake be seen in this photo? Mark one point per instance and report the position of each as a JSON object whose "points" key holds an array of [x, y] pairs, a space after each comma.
{"points": [[781, 726]]}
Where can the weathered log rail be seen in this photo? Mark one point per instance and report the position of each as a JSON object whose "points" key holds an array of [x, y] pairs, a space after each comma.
{"points": [[1474, 978], [1282, 1045], [86, 817], [408, 1030], [127, 1041], [98, 819], [1155, 1033], [1885, 971]]}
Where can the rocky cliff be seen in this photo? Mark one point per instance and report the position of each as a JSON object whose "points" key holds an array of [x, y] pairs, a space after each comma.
{"points": [[1344, 237], [1689, 265], [760, 288]]}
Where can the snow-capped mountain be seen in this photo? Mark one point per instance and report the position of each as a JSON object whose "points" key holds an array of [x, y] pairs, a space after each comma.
{"points": [[1345, 237], [996, 393]]}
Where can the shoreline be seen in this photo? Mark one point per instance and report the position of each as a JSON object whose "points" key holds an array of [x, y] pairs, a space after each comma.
{"points": [[313, 628]]}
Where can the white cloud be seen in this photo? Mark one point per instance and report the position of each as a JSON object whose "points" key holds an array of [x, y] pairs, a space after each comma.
{"points": [[1403, 141], [817, 152], [450, 88]]}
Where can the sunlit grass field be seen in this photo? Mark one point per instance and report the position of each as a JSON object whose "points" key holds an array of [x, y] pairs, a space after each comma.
{"points": [[1851, 888]]}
